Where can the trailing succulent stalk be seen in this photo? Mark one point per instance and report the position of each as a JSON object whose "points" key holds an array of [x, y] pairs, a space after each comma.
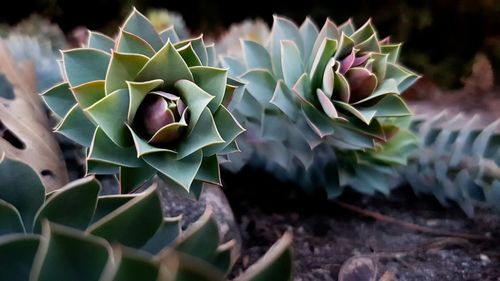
{"points": [[146, 103], [458, 160], [75, 234], [323, 107]]}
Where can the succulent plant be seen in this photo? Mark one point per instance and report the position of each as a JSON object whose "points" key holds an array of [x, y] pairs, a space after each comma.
{"points": [[229, 43], [458, 160], [145, 104], [75, 234], [323, 107]]}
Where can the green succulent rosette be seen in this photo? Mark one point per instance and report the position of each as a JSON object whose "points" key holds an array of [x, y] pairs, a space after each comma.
{"points": [[146, 103], [320, 103]]}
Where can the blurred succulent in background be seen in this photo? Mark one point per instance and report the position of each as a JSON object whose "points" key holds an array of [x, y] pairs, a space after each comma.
{"points": [[146, 104], [458, 160], [229, 44], [323, 107], [163, 19], [74, 234]]}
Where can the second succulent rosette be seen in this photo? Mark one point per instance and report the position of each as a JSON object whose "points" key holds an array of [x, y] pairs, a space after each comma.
{"points": [[146, 103], [322, 106]]}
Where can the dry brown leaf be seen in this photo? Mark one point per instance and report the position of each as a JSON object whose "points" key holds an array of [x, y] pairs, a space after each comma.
{"points": [[24, 128]]}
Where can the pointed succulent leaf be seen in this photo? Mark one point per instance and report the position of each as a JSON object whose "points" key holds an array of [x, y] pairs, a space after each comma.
{"points": [[209, 171], [260, 84], [10, 219], [189, 55], [213, 81], [120, 225], [17, 253], [105, 150], [108, 203], [291, 62], [327, 104], [283, 29], [364, 32], [95, 167], [85, 65], [133, 44], [168, 231], [169, 34], [89, 93], [143, 147], [112, 122], [325, 52], [137, 92], [236, 68], [68, 254], [392, 50], [256, 56], [276, 264], [181, 171], [318, 121], [76, 127], [123, 67], [202, 135], [21, 187], [139, 25], [167, 64], [59, 99], [272, 128], [198, 46], [195, 98], [73, 205], [283, 99], [100, 41], [132, 178], [328, 32], [309, 32], [228, 128], [211, 55]]}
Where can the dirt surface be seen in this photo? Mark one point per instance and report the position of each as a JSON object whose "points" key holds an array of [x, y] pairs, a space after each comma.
{"points": [[326, 235]]}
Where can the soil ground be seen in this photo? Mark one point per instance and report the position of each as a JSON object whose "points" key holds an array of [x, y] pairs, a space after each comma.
{"points": [[326, 235]]}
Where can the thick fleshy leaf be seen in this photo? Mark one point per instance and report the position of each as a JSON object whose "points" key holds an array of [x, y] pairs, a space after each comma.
{"points": [[364, 32], [236, 68], [347, 27], [169, 230], [133, 265], [100, 41], [190, 268], [108, 203], [326, 104], [366, 116], [283, 98], [291, 62], [211, 55], [228, 128], [142, 147], [10, 219], [388, 87], [203, 134], [392, 50], [345, 47], [169, 34], [302, 89], [189, 55], [85, 65], [309, 32], [256, 56], [77, 127], [133, 44], [213, 81], [272, 126], [379, 65], [139, 25], [123, 67], [403, 77], [121, 224], [389, 106], [260, 84], [201, 239], [195, 98], [329, 31], [110, 113], [73, 205], [181, 171], [59, 99], [369, 45], [224, 258], [105, 150], [167, 65], [21, 187], [168, 133], [198, 46], [68, 254], [275, 265], [89, 93], [17, 253], [325, 52], [318, 121], [137, 92], [94, 167], [283, 29], [209, 170]]}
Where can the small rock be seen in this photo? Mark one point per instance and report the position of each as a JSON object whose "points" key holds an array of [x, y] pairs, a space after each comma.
{"points": [[358, 269]]}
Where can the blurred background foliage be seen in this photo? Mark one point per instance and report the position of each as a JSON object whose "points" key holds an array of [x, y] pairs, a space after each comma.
{"points": [[442, 37]]}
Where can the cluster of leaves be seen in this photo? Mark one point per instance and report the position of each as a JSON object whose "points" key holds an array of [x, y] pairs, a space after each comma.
{"points": [[322, 107], [457, 161], [146, 103], [74, 234]]}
